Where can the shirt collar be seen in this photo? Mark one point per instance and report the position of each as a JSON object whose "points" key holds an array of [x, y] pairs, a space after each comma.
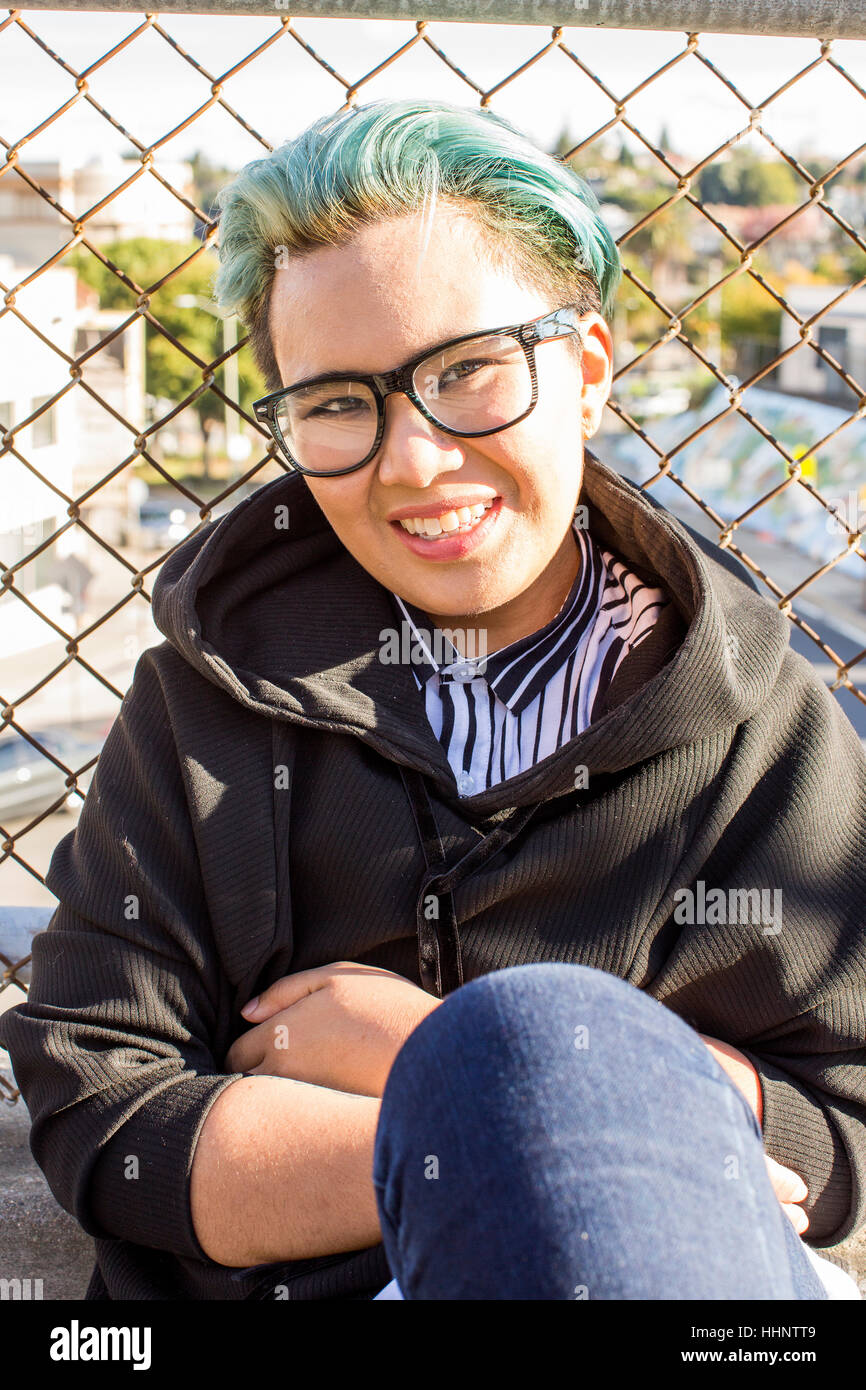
{"points": [[518, 672]]}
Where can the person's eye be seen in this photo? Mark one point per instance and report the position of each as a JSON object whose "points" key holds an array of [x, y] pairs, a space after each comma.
{"points": [[461, 371], [339, 405]]}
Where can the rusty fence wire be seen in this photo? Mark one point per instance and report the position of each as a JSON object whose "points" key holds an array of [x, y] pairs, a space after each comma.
{"points": [[129, 570]]}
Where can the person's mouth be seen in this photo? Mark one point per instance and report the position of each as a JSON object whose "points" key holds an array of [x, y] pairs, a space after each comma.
{"points": [[449, 530]]}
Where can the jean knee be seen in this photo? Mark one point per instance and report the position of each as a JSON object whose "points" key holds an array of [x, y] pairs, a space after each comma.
{"points": [[534, 995], [524, 1024]]}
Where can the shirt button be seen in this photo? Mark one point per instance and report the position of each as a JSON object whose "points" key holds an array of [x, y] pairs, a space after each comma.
{"points": [[465, 784], [462, 673]]}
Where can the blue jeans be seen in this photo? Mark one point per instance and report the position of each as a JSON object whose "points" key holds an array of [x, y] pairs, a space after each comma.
{"points": [[552, 1132]]}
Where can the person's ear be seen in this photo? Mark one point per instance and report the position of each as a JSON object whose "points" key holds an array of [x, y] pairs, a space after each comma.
{"points": [[597, 370]]}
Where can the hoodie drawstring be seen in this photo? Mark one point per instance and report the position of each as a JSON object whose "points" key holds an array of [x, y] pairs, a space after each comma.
{"points": [[440, 959]]}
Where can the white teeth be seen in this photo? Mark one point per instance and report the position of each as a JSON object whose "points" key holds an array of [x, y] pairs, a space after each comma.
{"points": [[460, 519]]}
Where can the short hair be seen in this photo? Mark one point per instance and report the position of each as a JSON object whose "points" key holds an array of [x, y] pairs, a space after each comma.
{"points": [[389, 159]]}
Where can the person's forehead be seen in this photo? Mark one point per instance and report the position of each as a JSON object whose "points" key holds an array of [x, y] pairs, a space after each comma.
{"points": [[389, 295]]}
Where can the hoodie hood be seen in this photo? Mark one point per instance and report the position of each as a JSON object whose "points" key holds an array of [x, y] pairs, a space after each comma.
{"points": [[288, 623]]}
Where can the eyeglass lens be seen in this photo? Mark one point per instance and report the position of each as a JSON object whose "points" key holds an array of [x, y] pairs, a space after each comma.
{"points": [[478, 385]]}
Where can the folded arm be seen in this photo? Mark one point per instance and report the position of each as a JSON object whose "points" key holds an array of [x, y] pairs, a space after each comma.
{"points": [[120, 1048], [788, 992]]}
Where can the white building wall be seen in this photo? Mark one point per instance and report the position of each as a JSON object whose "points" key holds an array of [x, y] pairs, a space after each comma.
{"points": [[68, 453], [804, 372], [32, 230]]}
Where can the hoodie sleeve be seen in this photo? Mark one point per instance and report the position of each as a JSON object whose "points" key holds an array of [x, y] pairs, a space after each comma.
{"points": [[114, 1049], [790, 991]]}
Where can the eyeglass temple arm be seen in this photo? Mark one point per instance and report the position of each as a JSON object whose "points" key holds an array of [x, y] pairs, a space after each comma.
{"points": [[562, 322]]}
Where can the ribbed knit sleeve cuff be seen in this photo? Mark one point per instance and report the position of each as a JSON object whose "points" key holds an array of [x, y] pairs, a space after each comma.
{"points": [[147, 1201], [799, 1134]]}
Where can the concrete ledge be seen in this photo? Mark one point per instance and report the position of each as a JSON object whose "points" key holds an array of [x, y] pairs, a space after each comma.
{"points": [[38, 1239], [18, 926]]}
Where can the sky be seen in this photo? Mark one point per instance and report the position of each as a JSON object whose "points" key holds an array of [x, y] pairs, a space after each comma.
{"points": [[149, 88]]}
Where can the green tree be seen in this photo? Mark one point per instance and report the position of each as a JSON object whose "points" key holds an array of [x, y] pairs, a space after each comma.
{"points": [[625, 158], [208, 179], [563, 143], [662, 248], [168, 371], [749, 181], [854, 261], [718, 182], [749, 312], [764, 181]]}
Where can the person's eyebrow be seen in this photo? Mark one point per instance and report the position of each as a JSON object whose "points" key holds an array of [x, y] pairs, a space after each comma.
{"points": [[430, 346]]}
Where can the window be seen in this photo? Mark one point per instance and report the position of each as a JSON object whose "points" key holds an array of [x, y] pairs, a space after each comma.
{"points": [[45, 428], [21, 541], [835, 341]]}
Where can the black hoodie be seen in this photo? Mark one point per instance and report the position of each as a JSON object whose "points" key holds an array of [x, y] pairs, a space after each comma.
{"points": [[271, 798]]}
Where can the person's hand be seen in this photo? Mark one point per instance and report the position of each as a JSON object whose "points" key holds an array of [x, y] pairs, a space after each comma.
{"points": [[339, 1026], [790, 1189], [788, 1186]]}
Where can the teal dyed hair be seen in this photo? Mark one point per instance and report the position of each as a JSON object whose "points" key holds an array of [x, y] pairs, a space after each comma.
{"points": [[391, 158]]}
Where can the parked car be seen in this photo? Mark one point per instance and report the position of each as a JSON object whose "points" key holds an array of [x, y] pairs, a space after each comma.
{"points": [[668, 400], [30, 782], [162, 522]]}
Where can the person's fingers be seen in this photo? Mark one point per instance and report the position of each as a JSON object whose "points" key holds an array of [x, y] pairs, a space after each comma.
{"points": [[284, 992], [796, 1216], [787, 1185], [290, 989], [248, 1051], [790, 1189]]}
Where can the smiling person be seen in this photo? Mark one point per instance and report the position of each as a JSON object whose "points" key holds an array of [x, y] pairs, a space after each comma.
{"points": [[369, 975]]}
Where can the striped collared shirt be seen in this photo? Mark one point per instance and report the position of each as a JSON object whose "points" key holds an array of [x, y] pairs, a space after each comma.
{"points": [[498, 715]]}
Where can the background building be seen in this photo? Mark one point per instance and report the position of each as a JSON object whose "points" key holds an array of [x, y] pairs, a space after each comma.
{"points": [[32, 230], [66, 449], [842, 332]]}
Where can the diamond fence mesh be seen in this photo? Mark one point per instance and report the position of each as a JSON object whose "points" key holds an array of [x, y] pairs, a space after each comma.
{"points": [[720, 300]]}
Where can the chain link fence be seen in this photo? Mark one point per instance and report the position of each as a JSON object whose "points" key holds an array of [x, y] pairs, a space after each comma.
{"points": [[669, 329]]}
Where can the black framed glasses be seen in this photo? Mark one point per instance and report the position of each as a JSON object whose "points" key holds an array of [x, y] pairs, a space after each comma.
{"points": [[469, 386]]}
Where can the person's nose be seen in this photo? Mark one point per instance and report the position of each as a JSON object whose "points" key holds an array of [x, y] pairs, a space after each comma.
{"points": [[413, 450]]}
